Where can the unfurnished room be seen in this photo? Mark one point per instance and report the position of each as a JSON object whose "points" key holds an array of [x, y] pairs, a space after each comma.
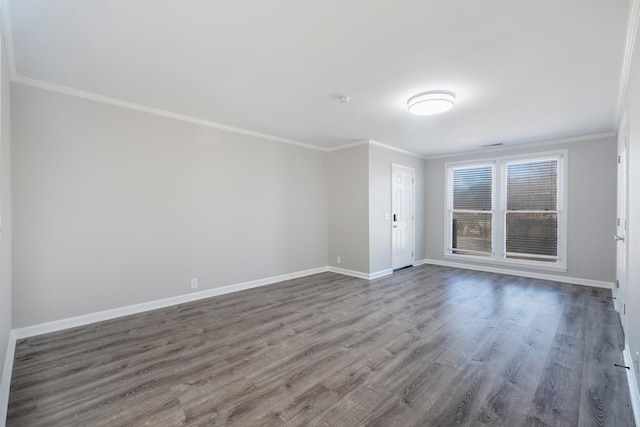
{"points": [[319, 213]]}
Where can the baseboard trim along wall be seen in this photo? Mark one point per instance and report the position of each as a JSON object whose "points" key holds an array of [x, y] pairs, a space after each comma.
{"points": [[72, 322], [616, 300], [634, 393], [381, 273], [528, 274], [87, 319], [7, 370], [100, 316], [351, 273], [361, 275]]}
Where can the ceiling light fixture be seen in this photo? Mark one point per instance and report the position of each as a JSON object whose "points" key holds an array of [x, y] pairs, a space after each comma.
{"points": [[432, 102]]}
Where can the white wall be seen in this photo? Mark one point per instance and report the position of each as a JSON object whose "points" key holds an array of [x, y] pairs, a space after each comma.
{"points": [[380, 161], [632, 109], [348, 182], [5, 206], [591, 207], [114, 207]]}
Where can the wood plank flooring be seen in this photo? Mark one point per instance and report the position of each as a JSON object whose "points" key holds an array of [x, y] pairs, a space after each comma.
{"points": [[428, 346]]}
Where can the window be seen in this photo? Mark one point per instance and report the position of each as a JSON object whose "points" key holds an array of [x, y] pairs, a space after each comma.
{"points": [[471, 212], [531, 214], [529, 226]]}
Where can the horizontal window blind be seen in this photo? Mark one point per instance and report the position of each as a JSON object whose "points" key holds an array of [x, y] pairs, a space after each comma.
{"points": [[532, 186], [471, 216], [509, 209], [531, 218], [472, 188], [532, 234]]}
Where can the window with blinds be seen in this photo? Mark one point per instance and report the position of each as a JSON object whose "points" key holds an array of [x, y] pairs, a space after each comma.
{"points": [[531, 215], [508, 210], [471, 213]]}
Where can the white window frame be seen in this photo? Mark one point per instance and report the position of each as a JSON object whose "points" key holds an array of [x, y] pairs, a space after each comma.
{"points": [[499, 212], [449, 208]]}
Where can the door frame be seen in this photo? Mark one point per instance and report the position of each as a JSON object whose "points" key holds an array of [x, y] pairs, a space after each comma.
{"points": [[622, 190], [413, 212]]}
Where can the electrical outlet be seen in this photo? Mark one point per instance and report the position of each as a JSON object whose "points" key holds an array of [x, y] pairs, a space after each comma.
{"points": [[338, 260], [194, 283]]}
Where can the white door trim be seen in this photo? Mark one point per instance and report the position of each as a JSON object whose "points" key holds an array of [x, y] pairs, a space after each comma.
{"points": [[413, 214], [622, 214]]}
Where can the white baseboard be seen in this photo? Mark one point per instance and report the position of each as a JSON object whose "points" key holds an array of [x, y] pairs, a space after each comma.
{"points": [[634, 393], [529, 274], [361, 275], [381, 273], [5, 384], [86, 319], [58, 325], [351, 273], [616, 301], [72, 322]]}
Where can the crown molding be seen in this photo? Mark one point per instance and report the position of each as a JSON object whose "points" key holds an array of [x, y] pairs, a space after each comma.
{"points": [[154, 111], [7, 30], [399, 150], [65, 90], [377, 144], [346, 146], [526, 145], [629, 44]]}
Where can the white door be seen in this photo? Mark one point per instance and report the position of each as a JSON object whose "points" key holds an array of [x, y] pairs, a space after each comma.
{"points": [[621, 228], [402, 216]]}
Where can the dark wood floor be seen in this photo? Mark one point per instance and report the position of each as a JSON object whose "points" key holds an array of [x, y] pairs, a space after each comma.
{"points": [[427, 346]]}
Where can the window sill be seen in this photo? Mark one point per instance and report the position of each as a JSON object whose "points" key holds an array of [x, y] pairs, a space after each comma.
{"points": [[513, 264]]}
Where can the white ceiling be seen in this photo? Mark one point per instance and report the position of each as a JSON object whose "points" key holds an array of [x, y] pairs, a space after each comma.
{"points": [[522, 71]]}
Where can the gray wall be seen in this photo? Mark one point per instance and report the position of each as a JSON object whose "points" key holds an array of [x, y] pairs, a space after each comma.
{"points": [[114, 207], [380, 161], [632, 108], [591, 206], [5, 205], [348, 182], [359, 196]]}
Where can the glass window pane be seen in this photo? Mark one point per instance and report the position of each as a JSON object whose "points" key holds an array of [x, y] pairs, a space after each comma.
{"points": [[472, 188], [532, 233], [532, 186], [471, 232]]}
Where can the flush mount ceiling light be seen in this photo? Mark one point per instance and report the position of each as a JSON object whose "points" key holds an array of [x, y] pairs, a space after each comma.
{"points": [[432, 102]]}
